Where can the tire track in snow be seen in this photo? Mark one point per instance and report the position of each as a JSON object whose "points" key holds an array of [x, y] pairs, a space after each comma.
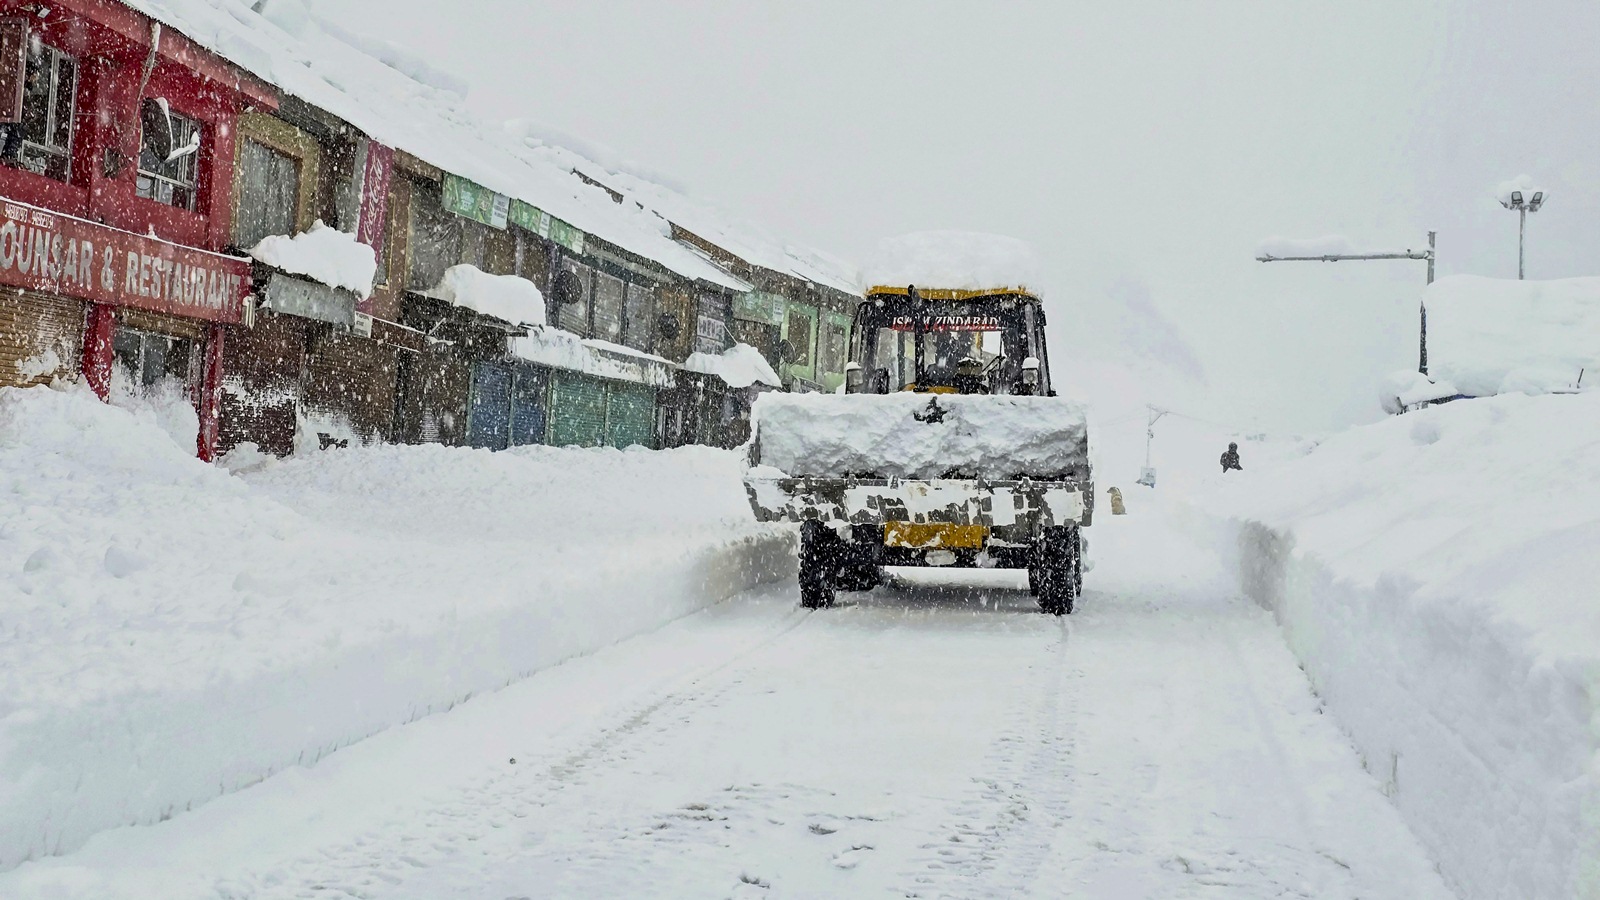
{"points": [[1001, 832], [481, 813]]}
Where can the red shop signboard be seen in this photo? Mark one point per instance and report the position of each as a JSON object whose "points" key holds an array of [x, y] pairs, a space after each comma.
{"points": [[57, 254]]}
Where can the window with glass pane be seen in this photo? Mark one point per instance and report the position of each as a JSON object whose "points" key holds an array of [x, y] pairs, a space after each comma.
{"points": [[639, 320], [435, 239], [832, 347], [799, 338], [574, 317], [48, 106], [608, 294], [171, 175], [269, 190]]}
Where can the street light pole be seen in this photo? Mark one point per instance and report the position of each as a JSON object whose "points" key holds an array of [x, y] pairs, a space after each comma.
{"points": [[1428, 254], [1532, 205]]}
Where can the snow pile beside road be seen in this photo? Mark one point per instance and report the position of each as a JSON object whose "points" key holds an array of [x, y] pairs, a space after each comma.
{"points": [[911, 435], [1496, 336], [1435, 573], [326, 254], [173, 632], [959, 260], [508, 297]]}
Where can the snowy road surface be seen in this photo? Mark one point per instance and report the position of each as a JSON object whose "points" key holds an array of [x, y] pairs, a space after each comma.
{"points": [[922, 742]]}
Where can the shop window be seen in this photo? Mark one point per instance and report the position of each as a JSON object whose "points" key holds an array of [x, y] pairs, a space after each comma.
{"points": [[831, 347], [639, 317], [799, 338], [169, 156], [269, 190], [608, 299], [435, 243], [710, 326], [42, 141], [145, 359]]}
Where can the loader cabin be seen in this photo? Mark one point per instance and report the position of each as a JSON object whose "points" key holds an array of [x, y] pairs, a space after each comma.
{"points": [[943, 341]]}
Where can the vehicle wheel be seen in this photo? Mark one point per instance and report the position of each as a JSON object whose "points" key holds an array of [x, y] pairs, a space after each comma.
{"points": [[858, 578], [1056, 562], [817, 555]]}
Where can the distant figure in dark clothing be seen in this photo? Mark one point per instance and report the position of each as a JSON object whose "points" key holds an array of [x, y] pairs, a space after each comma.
{"points": [[1230, 460]]}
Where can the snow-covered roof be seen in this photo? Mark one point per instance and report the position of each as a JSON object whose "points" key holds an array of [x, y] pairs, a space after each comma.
{"points": [[325, 254], [402, 102], [740, 366], [508, 297], [1492, 336], [551, 346], [748, 241], [960, 260]]}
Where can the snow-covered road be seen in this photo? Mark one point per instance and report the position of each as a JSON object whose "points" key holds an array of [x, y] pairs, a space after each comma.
{"points": [[927, 741]]}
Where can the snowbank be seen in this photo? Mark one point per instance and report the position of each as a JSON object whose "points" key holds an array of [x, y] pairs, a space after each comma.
{"points": [[1497, 336], [509, 297], [911, 435], [960, 260], [1435, 573], [1407, 388], [326, 254], [740, 366], [172, 632]]}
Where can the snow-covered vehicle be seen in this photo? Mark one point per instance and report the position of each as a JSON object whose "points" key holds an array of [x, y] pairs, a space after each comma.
{"points": [[948, 448]]}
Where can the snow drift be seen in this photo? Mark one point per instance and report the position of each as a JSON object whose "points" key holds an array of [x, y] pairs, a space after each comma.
{"points": [[172, 632], [1435, 575], [912, 435], [1497, 336]]}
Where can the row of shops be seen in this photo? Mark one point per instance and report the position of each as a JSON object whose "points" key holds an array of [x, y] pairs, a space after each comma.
{"points": [[151, 171]]}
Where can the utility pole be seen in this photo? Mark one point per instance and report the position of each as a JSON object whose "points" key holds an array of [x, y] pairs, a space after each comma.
{"points": [[1428, 255], [1148, 476]]}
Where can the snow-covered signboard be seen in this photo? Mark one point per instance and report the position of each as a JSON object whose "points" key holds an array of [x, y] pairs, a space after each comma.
{"points": [[52, 253]]}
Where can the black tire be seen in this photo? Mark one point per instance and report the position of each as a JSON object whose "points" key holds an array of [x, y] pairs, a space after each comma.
{"points": [[816, 564], [1057, 564]]}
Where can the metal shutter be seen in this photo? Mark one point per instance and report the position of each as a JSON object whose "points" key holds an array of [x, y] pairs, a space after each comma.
{"points": [[41, 336], [577, 410], [529, 406], [630, 414], [489, 409]]}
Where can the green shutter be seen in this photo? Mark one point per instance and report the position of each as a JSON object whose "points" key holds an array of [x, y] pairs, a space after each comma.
{"points": [[577, 410], [630, 414]]}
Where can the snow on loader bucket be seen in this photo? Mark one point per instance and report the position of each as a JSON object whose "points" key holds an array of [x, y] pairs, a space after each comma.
{"points": [[955, 453]]}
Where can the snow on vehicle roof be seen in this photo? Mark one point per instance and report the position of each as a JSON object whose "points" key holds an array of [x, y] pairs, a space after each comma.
{"points": [[402, 102], [960, 260], [1494, 336], [328, 255]]}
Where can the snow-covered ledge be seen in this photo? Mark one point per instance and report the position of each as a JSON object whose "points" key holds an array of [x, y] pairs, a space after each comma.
{"points": [[740, 366]]}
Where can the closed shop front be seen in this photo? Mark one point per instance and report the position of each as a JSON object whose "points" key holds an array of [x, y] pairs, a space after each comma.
{"points": [[509, 405], [261, 391], [41, 337], [577, 410], [349, 384], [630, 414]]}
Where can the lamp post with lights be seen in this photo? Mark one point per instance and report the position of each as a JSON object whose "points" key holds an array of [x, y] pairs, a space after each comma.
{"points": [[1532, 205]]}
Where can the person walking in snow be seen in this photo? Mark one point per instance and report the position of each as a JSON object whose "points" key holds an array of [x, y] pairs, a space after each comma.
{"points": [[1230, 459]]}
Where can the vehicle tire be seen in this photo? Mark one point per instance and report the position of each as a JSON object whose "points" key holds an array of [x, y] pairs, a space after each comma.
{"points": [[1056, 561], [817, 562], [858, 578]]}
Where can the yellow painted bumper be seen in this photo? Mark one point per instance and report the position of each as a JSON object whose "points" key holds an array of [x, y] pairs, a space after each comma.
{"points": [[935, 534]]}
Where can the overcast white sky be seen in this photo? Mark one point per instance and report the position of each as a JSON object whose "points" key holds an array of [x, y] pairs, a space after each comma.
{"points": [[1144, 147]]}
